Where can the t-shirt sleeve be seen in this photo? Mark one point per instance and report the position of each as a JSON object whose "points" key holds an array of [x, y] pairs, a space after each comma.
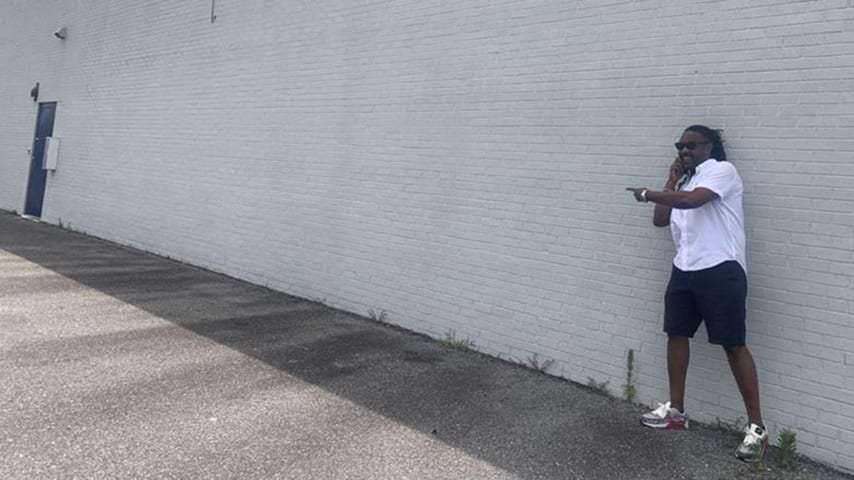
{"points": [[722, 179]]}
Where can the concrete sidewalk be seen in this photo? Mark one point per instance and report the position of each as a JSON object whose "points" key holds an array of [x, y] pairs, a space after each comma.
{"points": [[119, 364]]}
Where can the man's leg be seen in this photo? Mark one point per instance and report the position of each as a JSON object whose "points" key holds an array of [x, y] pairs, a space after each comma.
{"points": [[744, 370], [755, 443], [671, 415], [681, 319], [678, 353]]}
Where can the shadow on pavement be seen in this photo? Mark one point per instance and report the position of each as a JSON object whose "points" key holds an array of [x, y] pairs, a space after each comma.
{"points": [[523, 422]]}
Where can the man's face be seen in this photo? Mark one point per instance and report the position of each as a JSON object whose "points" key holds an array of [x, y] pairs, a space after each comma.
{"points": [[695, 149]]}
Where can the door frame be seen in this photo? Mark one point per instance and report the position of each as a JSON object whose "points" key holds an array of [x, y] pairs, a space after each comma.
{"points": [[32, 159]]}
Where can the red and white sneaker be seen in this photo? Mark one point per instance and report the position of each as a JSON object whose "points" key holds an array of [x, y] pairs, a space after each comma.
{"points": [[754, 446], [666, 418]]}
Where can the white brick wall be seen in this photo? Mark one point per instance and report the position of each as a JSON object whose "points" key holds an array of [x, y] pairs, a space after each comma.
{"points": [[461, 166]]}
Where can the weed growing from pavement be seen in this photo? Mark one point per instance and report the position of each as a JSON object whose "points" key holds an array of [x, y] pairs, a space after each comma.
{"points": [[629, 391], [535, 364], [451, 341], [787, 450], [381, 317], [601, 387]]}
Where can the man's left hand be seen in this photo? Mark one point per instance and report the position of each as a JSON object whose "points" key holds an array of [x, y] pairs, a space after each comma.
{"points": [[637, 192]]}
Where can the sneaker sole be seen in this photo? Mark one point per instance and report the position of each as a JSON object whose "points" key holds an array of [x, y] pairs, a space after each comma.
{"points": [[753, 459], [667, 426]]}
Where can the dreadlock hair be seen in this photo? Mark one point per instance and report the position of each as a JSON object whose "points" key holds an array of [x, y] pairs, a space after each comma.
{"points": [[713, 136]]}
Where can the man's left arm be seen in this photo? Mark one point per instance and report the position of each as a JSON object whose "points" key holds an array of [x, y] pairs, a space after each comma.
{"points": [[716, 183], [682, 200]]}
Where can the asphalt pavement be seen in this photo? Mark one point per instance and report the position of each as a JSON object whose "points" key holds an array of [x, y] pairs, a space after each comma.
{"points": [[119, 364]]}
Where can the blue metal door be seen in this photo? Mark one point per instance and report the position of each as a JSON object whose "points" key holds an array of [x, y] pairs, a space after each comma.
{"points": [[38, 176]]}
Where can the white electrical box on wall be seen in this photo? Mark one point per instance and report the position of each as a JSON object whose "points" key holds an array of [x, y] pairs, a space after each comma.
{"points": [[51, 153]]}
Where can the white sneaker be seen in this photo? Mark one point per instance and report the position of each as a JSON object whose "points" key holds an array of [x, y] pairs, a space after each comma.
{"points": [[665, 417], [754, 446]]}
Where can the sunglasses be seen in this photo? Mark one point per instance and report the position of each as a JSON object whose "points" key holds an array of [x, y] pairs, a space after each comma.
{"points": [[688, 145]]}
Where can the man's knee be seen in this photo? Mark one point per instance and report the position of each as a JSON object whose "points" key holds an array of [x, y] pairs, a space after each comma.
{"points": [[734, 349]]}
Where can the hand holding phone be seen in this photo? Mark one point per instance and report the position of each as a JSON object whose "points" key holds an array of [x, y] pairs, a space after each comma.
{"points": [[676, 172]]}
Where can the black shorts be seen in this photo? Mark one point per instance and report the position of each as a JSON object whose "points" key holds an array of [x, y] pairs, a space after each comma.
{"points": [[715, 295]]}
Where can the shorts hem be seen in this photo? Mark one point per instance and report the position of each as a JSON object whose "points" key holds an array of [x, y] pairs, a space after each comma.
{"points": [[728, 343]]}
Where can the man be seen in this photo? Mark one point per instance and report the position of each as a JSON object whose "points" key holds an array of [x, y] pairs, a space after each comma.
{"points": [[708, 282]]}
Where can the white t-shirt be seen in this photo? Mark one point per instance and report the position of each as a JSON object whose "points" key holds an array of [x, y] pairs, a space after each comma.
{"points": [[713, 233]]}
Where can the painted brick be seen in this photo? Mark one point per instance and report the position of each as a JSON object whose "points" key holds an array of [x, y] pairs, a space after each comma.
{"points": [[461, 166]]}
